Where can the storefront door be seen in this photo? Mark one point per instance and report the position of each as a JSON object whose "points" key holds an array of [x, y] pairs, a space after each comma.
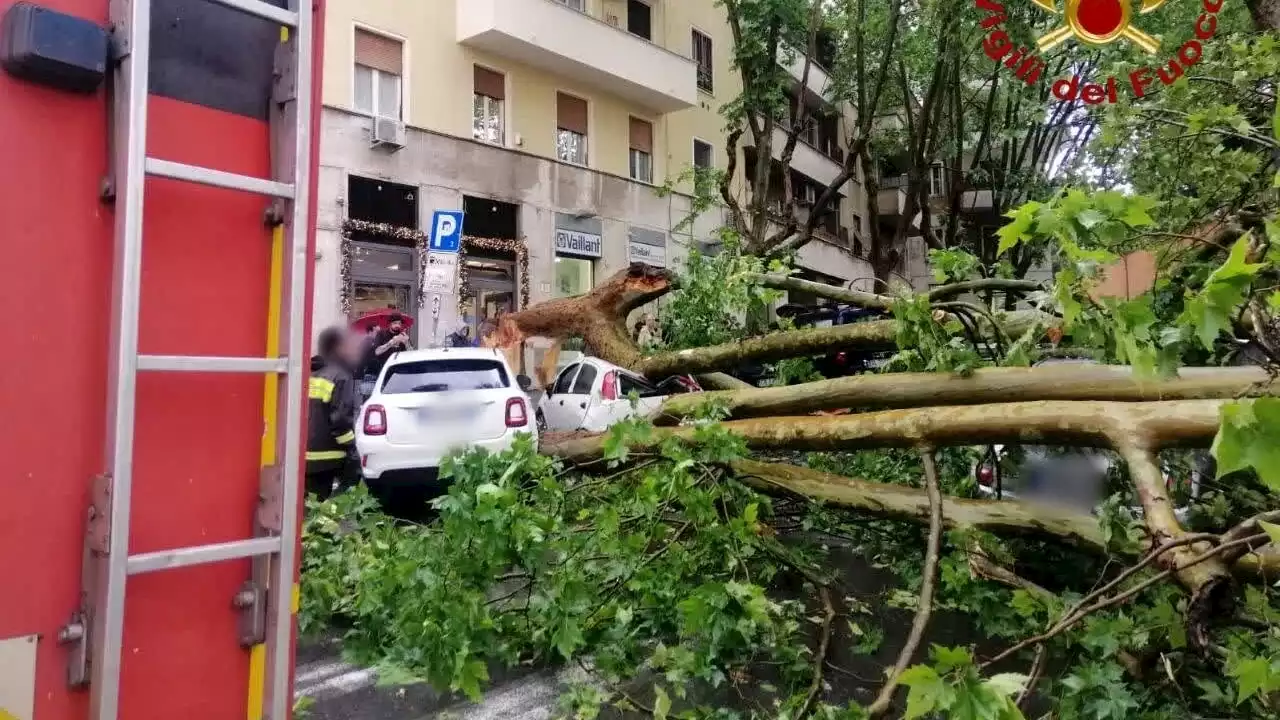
{"points": [[383, 276]]}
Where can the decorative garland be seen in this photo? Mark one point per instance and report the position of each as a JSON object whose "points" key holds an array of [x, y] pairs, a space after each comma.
{"points": [[419, 239], [347, 254], [516, 247]]}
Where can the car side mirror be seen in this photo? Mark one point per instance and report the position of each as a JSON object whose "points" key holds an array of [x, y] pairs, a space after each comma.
{"points": [[525, 383]]}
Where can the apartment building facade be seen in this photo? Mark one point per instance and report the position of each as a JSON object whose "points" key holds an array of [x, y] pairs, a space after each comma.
{"points": [[553, 125]]}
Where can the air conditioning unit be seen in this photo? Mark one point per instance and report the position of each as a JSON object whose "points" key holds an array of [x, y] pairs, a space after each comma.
{"points": [[388, 132]]}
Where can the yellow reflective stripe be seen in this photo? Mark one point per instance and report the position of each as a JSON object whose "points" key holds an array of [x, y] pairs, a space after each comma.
{"points": [[295, 598], [320, 389], [346, 437], [326, 454]]}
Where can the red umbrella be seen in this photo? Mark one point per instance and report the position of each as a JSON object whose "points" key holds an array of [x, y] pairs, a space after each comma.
{"points": [[379, 318]]}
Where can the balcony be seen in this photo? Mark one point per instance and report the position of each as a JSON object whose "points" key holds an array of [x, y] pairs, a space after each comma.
{"points": [[808, 161], [819, 81], [556, 38]]}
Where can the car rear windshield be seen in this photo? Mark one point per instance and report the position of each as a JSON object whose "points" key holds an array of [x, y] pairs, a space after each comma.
{"points": [[427, 376]]}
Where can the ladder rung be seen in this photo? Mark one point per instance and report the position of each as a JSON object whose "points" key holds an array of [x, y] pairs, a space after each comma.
{"points": [[218, 178], [263, 10], [202, 554], [197, 363]]}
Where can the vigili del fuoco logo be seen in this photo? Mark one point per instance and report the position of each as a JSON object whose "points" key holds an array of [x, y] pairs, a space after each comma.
{"points": [[1096, 22]]}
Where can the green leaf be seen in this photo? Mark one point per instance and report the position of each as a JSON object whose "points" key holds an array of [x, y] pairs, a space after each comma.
{"points": [[1272, 530], [661, 703], [1007, 684], [1090, 218], [1019, 227], [1251, 676], [1249, 437], [927, 692]]}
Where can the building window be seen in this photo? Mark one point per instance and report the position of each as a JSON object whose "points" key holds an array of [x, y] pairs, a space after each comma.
{"points": [[937, 180], [571, 129], [379, 67], [488, 106], [579, 5], [640, 19], [574, 276], [702, 55], [703, 155], [641, 150]]}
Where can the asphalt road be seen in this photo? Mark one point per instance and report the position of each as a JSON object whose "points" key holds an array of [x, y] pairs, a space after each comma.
{"points": [[338, 690]]}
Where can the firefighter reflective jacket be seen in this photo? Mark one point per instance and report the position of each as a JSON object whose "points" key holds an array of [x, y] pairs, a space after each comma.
{"points": [[331, 414]]}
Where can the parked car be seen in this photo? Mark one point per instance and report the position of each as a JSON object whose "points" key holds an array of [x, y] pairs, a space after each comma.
{"points": [[1074, 478], [842, 362], [591, 394], [428, 403]]}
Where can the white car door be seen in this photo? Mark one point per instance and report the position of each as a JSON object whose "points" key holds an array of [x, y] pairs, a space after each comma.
{"points": [[611, 399], [565, 407]]}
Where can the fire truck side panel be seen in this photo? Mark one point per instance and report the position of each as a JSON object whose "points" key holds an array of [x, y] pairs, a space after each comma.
{"points": [[205, 270]]}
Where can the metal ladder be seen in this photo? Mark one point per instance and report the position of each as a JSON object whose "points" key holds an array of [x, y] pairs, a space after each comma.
{"points": [[266, 601]]}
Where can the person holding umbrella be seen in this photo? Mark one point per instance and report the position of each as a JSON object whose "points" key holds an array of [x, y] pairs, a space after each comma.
{"points": [[389, 339]]}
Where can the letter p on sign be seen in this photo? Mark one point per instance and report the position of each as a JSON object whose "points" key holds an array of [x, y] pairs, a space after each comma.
{"points": [[446, 231]]}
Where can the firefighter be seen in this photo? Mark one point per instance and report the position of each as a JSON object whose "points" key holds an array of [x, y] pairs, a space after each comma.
{"points": [[331, 414]]}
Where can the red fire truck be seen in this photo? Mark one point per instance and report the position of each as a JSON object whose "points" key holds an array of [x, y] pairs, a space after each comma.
{"points": [[157, 232]]}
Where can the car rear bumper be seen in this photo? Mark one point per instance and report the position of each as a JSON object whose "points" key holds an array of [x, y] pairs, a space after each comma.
{"points": [[378, 457]]}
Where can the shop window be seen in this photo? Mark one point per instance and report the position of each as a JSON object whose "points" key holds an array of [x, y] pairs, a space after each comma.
{"points": [[574, 276], [487, 218], [381, 201]]}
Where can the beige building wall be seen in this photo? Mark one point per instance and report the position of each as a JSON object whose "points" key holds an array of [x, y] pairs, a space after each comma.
{"points": [[443, 160]]}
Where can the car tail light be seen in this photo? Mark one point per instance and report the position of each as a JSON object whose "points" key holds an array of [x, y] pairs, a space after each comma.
{"points": [[609, 390], [375, 420], [517, 413], [986, 475]]}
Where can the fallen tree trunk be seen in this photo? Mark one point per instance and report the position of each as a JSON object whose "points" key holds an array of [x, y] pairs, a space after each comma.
{"points": [[904, 390], [1088, 423], [801, 343], [908, 503], [865, 299], [1000, 517]]}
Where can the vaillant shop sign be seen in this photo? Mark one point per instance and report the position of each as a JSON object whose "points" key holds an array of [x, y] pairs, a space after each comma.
{"points": [[575, 242]]}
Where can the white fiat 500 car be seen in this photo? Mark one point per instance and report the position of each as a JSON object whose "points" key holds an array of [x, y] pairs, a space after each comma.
{"points": [[428, 403], [591, 394]]}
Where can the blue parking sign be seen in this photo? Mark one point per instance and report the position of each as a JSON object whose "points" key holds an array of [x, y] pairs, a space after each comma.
{"points": [[446, 231]]}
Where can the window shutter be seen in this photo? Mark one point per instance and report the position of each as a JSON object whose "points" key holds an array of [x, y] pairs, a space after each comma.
{"points": [[641, 136], [490, 84], [571, 113], [379, 52]]}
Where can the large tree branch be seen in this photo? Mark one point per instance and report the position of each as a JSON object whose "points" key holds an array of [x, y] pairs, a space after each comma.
{"points": [[1067, 381], [901, 502], [1208, 580], [1085, 423], [929, 576], [800, 343]]}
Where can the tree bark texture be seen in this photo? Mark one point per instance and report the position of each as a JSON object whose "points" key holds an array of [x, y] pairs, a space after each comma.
{"points": [[597, 317], [1000, 517], [800, 343], [908, 503], [1086, 423], [1067, 381]]}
